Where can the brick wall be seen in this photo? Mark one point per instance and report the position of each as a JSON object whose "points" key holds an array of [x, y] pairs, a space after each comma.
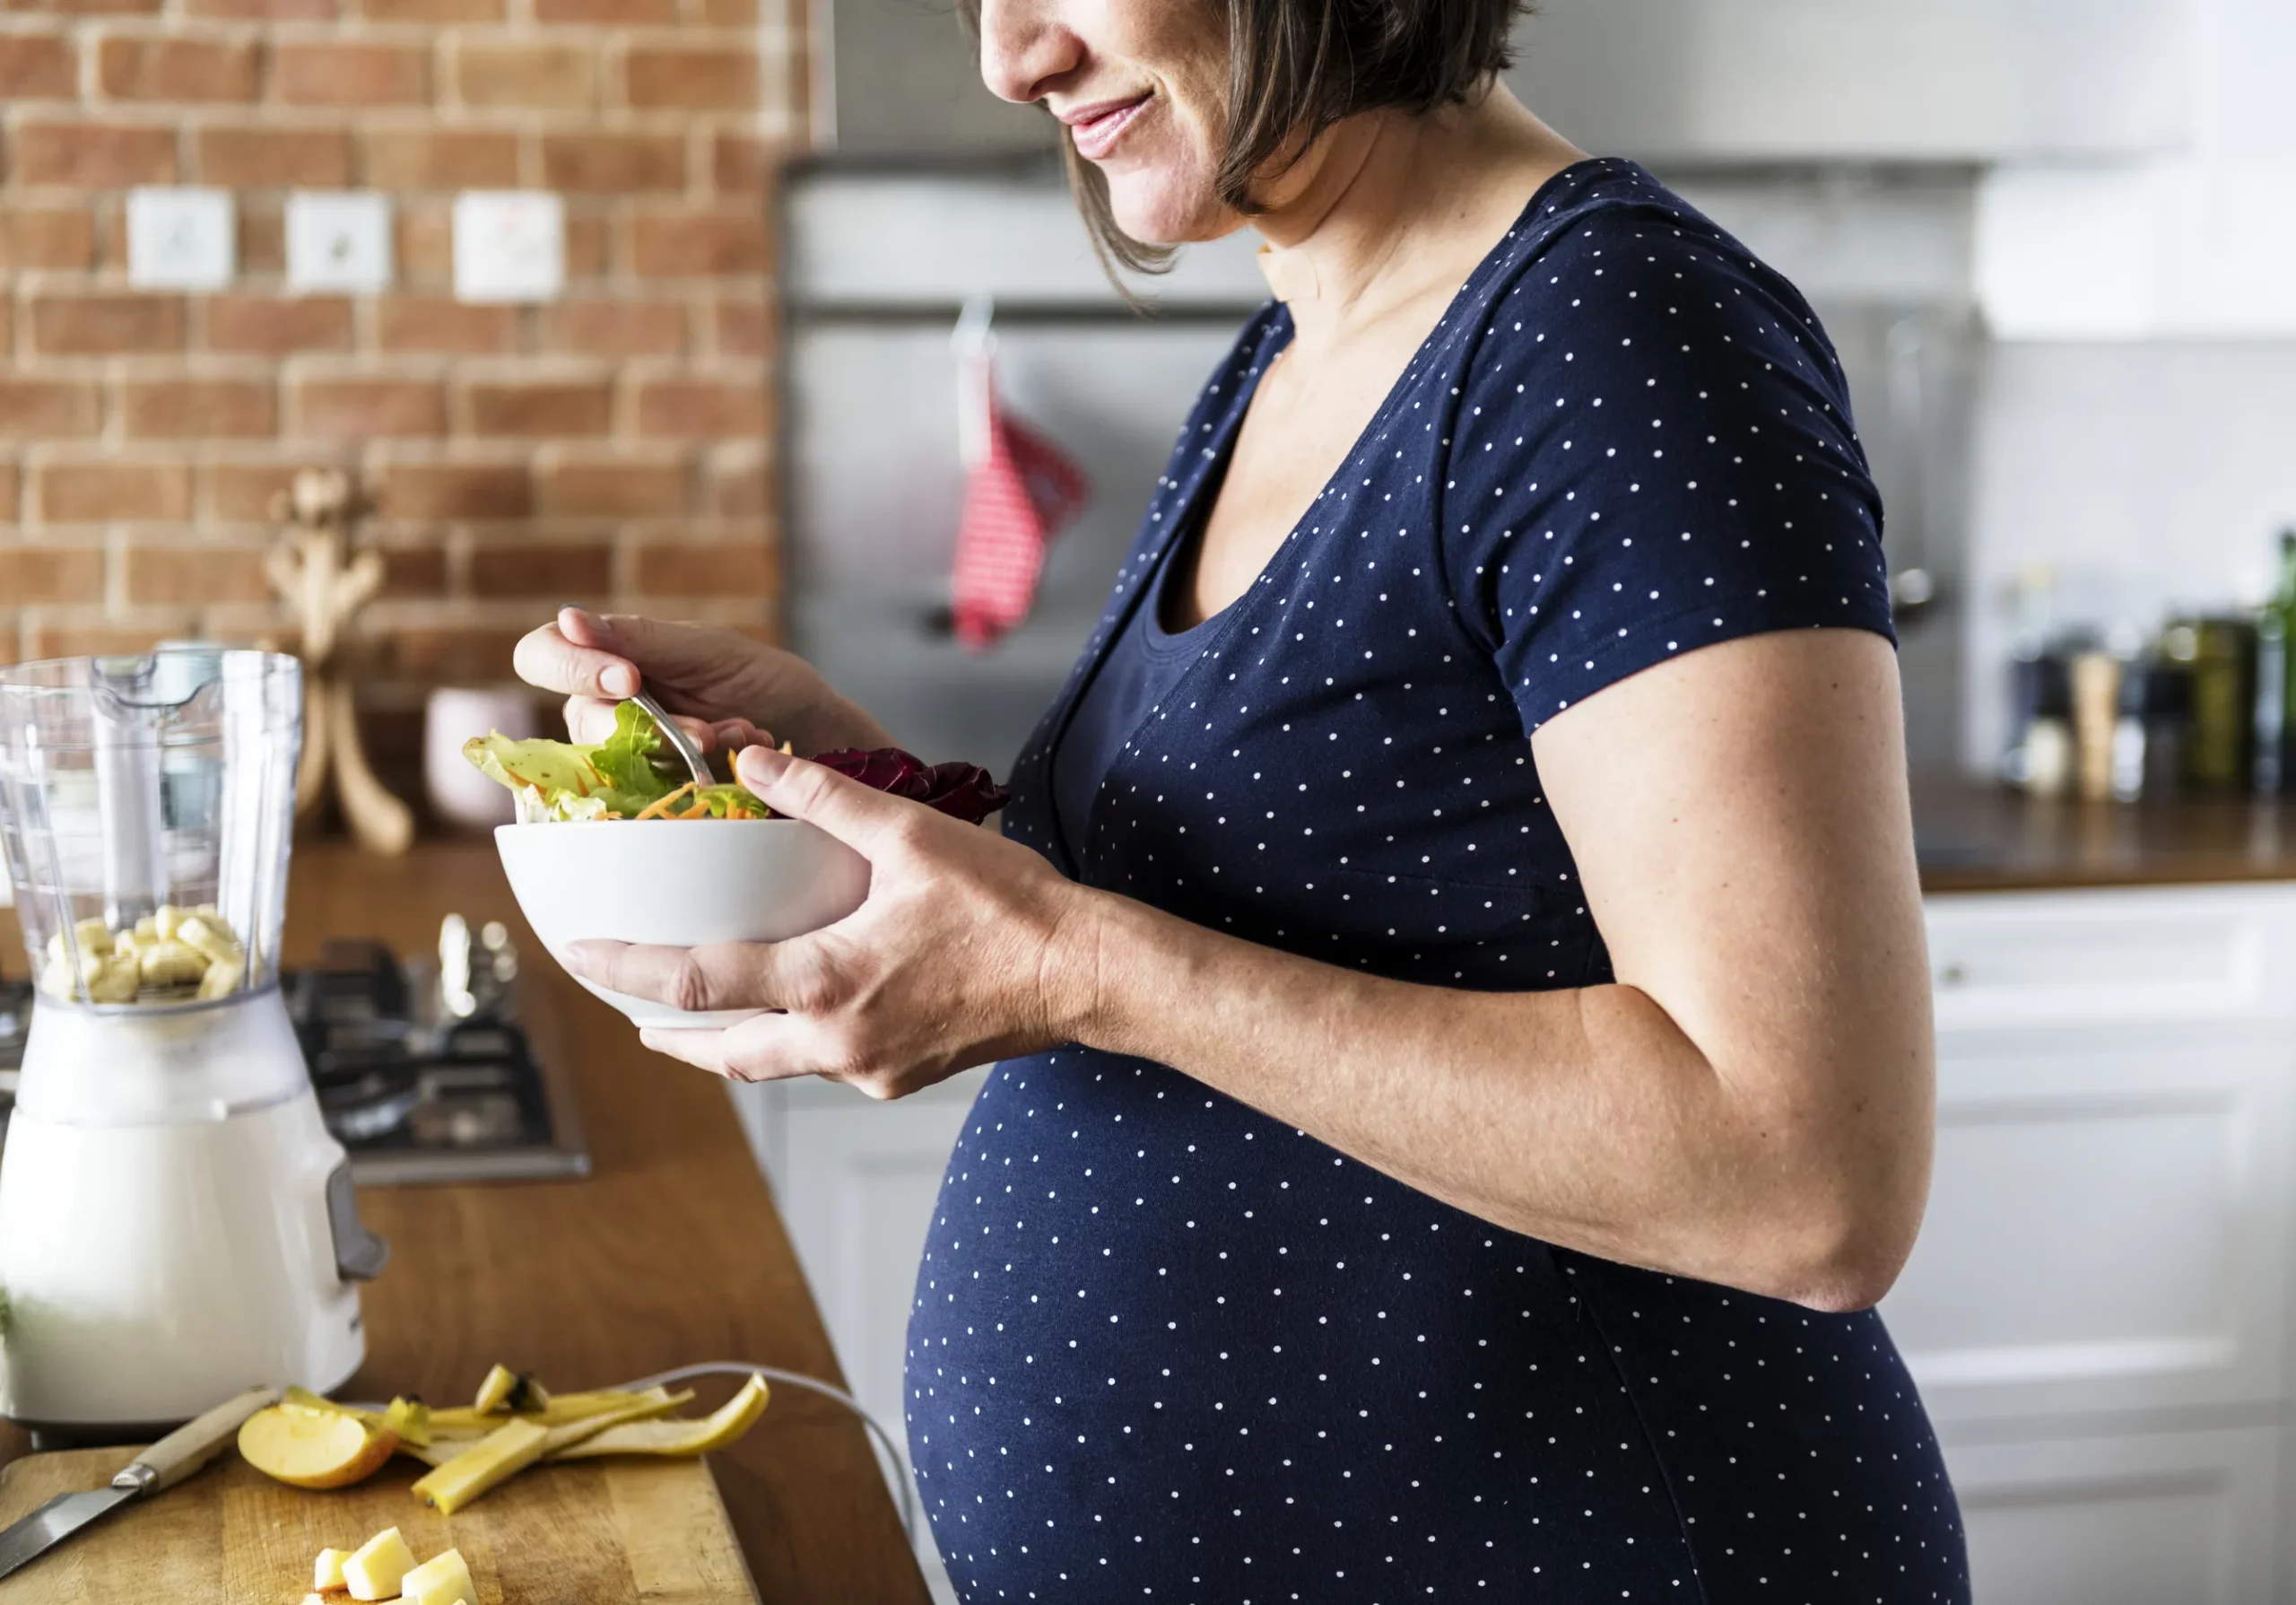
{"points": [[610, 447]]}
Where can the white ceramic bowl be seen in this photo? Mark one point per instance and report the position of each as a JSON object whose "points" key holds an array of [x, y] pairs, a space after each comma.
{"points": [[680, 883]]}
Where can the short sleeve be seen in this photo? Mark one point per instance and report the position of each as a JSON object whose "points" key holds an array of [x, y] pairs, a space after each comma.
{"points": [[1653, 451]]}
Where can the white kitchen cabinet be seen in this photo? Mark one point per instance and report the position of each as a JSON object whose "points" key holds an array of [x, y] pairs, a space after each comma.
{"points": [[2162, 1518], [1723, 81], [2097, 1311]]}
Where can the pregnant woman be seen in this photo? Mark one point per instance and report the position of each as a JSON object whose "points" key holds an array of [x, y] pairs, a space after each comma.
{"points": [[1454, 956]]}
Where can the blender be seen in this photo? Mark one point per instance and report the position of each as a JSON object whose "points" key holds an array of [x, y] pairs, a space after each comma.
{"points": [[176, 1223]]}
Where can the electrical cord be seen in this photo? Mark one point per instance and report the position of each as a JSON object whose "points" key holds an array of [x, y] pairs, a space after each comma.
{"points": [[812, 1384], [666, 1379]]}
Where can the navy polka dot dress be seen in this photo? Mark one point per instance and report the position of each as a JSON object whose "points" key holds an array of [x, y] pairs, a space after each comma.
{"points": [[1164, 1347]]}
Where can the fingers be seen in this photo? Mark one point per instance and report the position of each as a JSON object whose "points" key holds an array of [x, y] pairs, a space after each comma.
{"points": [[758, 1050], [556, 661], [694, 980], [666, 652], [870, 822]]}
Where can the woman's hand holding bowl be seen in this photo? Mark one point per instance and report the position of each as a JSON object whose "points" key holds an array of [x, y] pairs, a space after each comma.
{"points": [[967, 949]]}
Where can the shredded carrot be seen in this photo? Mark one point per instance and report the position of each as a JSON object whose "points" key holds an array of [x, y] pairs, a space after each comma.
{"points": [[700, 810], [660, 806]]}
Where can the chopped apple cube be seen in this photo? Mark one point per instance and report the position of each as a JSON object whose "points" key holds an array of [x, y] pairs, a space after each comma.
{"points": [[116, 980], [166, 921], [327, 1572], [171, 963], [212, 937], [375, 1568], [443, 1580]]}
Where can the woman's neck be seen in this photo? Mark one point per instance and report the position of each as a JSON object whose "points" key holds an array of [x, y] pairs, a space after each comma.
{"points": [[1388, 208]]}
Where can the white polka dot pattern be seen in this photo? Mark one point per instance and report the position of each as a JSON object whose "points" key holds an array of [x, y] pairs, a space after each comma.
{"points": [[1164, 1347]]}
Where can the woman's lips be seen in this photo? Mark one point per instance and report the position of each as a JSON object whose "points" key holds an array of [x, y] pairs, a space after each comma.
{"points": [[1096, 136]]}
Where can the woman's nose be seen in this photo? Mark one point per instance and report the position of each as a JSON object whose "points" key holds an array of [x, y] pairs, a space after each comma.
{"points": [[1026, 48]]}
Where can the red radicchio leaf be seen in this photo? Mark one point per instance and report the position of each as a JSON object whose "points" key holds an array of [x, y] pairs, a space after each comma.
{"points": [[964, 791]]}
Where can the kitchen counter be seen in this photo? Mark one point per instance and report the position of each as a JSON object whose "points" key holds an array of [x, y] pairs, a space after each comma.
{"points": [[670, 1254], [1978, 838]]}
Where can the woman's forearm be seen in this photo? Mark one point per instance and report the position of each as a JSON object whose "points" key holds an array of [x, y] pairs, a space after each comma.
{"points": [[1587, 1118]]}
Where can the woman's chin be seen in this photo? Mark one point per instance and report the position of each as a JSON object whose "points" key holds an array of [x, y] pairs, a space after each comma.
{"points": [[1155, 209]]}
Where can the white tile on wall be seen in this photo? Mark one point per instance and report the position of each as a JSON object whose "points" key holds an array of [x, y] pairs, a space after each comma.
{"points": [[2147, 475]]}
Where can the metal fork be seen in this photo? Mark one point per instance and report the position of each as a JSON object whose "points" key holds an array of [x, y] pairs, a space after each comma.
{"points": [[697, 764]]}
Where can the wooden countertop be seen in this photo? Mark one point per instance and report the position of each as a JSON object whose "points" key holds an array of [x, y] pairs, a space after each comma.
{"points": [[670, 1254], [1977, 838]]}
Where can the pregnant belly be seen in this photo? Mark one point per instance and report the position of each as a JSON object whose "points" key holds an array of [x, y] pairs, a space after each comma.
{"points": [[1161, 1338]]}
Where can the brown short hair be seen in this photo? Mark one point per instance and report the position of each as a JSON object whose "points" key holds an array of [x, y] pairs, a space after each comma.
{"points": [[1296, 67]]}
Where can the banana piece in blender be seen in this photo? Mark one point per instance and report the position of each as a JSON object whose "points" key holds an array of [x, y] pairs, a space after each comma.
{"points": [[222, 979], [171, 963], [211, 937], [115, 979]]}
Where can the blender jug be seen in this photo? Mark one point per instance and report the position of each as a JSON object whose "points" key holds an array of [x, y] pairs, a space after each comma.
{"points": [[176, 1223]]}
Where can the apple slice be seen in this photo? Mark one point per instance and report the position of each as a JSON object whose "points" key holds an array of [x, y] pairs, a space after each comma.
{"points": [[314, 1449]]}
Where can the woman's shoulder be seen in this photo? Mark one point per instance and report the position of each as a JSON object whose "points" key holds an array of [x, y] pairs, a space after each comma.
{"points": [[1609, 270]]}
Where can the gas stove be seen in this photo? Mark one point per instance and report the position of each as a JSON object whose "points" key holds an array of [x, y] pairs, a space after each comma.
{"points": [[426, 1072]]}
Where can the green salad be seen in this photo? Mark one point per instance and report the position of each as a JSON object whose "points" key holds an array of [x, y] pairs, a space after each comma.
{"points": [[620, 778]]}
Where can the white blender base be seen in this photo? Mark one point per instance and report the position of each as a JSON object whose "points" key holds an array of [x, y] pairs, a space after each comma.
{"points": [[153, 1270]]}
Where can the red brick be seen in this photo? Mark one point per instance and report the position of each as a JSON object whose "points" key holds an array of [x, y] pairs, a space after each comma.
{"points": [[261, 9], [363, 408], [450, 654], [33, 409], [177, 69], [198, 408], [261, 230], [607, 163], [636, 12], [45, 573], [38, 66], [103, 493], [56, 638], [442, 159], [589, 238], [206, 571], [272, 158], [586, 487], [56, 236], [105, 325], [729, 13], [738, 163], [274, 324], [414, 571], [93, 155], [243, 492], [698, 244], [424, 243], [11, 493], [535, 407], [740, 487], [742, 326], [689, 77], [465, 491], [83, 8], [428, 11], [689, 568], [434, 323], [552, 570], [697, 407], [559, 77], [336, 74], [610, 327]]}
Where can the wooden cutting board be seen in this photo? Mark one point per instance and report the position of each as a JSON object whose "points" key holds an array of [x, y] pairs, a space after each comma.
{"points": [[592, 1532]]}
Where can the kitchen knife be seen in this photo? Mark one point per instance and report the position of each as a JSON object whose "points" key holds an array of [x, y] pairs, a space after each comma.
{"points": [[155, 1471]]}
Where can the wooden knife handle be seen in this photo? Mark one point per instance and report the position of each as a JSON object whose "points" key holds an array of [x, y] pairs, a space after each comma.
{"points": [[193, 1444]]}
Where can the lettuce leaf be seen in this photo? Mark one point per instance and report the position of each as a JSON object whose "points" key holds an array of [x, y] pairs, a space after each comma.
{"points": [[557, 781]]}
